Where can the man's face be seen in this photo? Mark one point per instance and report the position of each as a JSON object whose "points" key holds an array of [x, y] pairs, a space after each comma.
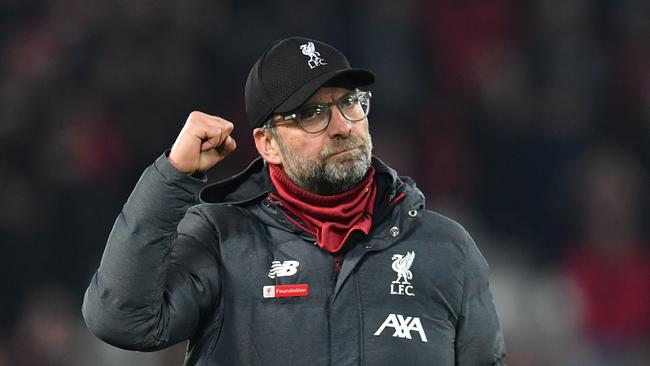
{"points": [[331, 161]]}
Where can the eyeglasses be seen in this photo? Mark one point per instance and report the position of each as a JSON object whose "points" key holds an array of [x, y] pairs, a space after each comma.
{"points": [[314, 118]]}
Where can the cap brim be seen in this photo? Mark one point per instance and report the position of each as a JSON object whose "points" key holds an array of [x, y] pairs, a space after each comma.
{"points": [[349, 79]]}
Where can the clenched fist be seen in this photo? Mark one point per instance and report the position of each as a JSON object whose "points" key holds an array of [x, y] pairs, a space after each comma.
{"points": [[204, 141]]}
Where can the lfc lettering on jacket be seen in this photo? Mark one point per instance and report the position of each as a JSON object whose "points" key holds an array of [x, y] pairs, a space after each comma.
{"points": [[401, 289]]}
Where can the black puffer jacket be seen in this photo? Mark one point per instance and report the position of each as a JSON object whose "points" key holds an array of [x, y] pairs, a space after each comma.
{"points": [[413, 292]]}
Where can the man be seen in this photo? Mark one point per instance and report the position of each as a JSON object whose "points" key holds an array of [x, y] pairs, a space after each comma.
{"points": [[316, 254]]}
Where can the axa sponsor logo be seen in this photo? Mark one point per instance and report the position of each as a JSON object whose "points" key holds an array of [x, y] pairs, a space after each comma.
{"points": [[403, 326], [283, 269], [402, 265]]}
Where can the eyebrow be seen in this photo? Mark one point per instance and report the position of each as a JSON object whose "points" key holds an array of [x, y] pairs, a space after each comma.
{"points": [[311, 102]]}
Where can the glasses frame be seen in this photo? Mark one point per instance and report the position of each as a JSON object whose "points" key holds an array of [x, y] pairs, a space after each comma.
{"points": [[327, 106]]}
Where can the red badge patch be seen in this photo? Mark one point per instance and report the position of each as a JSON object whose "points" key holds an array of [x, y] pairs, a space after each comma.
{"points": [[297, 290]]}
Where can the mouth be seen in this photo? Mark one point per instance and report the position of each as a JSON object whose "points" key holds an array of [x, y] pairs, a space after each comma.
{"points": [[340, 152]]}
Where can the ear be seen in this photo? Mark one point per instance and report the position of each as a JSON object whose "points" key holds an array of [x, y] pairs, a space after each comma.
{"points": [[267, 146]]}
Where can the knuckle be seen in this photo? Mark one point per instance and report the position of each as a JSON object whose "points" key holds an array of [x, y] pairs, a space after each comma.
{"points": [[224, 124], [194, 116]]}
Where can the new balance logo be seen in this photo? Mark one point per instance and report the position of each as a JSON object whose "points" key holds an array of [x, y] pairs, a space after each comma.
{"points": [[283, 269], [403, 326]]}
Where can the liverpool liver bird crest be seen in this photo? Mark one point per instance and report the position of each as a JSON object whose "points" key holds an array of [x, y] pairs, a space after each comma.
{"points": [[402, 265], [308, 49]]}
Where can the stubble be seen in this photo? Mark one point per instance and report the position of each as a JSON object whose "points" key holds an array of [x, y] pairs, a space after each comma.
{"points": [[338, 167]]}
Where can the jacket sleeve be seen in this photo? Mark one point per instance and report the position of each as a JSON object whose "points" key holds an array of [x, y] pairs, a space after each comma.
{"points": [[157, 276], [479, 340]]}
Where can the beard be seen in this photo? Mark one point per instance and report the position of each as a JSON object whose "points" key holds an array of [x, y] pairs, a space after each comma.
{"points": [[338, 167]]}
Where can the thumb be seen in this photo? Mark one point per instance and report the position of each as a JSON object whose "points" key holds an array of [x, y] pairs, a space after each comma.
{"points": [[227, 146], [212, 142]]}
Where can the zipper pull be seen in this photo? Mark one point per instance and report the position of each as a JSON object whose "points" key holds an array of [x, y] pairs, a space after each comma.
{"points": [[338, 263]]}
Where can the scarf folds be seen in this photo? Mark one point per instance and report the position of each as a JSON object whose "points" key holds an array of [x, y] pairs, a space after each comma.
{"points": [[330, 219]]}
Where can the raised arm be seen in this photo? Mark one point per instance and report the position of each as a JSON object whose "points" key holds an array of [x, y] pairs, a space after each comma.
{"points": [[159, 272]]}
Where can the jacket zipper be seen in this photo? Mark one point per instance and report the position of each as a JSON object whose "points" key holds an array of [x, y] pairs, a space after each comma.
{"points": [[290, 218]]}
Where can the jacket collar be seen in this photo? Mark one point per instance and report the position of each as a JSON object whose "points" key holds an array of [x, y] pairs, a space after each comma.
{"points": [[250, 184]]}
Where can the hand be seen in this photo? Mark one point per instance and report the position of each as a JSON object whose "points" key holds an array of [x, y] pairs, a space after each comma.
{"points": [[203, 142]]}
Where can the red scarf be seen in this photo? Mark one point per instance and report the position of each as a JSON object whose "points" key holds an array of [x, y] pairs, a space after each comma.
{"points": [[331, 219]]}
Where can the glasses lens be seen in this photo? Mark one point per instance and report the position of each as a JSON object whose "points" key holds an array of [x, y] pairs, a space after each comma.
{"points": [[355, 106], [314, 118]]}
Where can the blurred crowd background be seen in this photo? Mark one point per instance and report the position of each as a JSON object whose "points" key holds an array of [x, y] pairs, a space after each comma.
{"points": [[527, 121]]}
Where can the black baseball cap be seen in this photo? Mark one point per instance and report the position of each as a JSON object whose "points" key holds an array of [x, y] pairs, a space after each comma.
{"points": [[291, 71]]}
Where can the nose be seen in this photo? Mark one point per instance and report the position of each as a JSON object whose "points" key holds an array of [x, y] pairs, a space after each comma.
{"points": [[339, 127]]}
